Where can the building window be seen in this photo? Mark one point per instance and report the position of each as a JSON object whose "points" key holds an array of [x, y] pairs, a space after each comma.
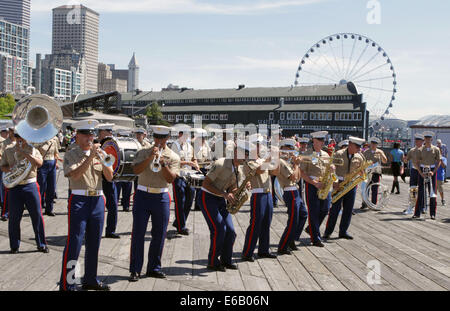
{"points": [[282, 116], [271, 115], [205, 117], [179, 117], [223, 117], [329, 116], [214, 117], [289, 116], [312, 116], [305, 116], [336, 116]]}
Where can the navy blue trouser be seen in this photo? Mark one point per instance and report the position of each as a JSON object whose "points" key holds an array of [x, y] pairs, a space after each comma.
{"points": [[46, 178], [292, 201], [317, 211], [5, 205], [86, 216], [183, 198], [413, 177], [110, 191], [220, 223], [346, 202], [302, 217], [158, 207], [420, 205], [259, 228], [2, 192], [25, 196], [125, 187]]}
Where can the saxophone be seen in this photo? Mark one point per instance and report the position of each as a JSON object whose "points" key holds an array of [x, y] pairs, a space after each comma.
{"points": [[241, 194], [328, 178], [351, 181]]}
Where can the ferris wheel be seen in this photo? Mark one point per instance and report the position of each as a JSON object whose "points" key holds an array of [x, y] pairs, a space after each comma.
{"points": [[349, 57]]}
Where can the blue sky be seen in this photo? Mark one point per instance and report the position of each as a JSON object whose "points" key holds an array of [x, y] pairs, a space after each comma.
{"points": [[220, 44]]}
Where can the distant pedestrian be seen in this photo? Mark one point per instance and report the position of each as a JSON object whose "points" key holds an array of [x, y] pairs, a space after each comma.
{"points": [[396, 157], [441, 177]]}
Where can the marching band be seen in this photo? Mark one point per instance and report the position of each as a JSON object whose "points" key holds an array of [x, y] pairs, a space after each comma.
{"points": [[313, 183]]}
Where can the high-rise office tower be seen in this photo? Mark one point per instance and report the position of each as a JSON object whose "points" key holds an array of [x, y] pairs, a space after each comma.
{"points": [[76, 27], [16, 12]]}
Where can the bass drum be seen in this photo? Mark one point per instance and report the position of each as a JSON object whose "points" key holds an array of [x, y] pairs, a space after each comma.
{"points": [[124, 149]]}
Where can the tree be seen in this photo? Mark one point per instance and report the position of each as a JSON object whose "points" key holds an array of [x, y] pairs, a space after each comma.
{"points": [[6, 106], [155, 115]]}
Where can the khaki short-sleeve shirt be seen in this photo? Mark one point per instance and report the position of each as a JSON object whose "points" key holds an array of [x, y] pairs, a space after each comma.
{"points": [[413, 156], [349, 165], [429, 156], [150, 179], [258, 180], [317, 169], [286, 170], [222, 174], [92, 177], [49, 149]]}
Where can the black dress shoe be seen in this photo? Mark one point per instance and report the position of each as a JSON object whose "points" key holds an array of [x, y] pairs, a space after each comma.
{"points": [[415, 217], [345, 236], [284, 252], [51, 214], [217, 268], [156, 274], [112, 236], [292, 246], [100, 287], [267, 255], [433, 217], [126, 210], [318, 244], [326, 236], [184, 232], [14, 251], [230, 266], [43, 249], [4, 218], [134, 277], [248, 258], [307, 230]]}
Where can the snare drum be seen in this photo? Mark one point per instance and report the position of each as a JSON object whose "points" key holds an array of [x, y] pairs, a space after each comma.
{"points": [[124, 149], [196, 180]]}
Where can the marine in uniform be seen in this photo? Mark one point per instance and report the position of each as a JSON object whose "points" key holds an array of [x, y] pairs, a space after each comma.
{"points": [[47, 173], [109, 189], [288, 176], [203, 155], [152, 199], [182, 192], [412, 157], [261, 205], [124, 187], [220, 149], [24, 194], [8, 142], [141, 136], [352, 161], [429, 157], [86, 209], [218, 188], [311, 173], [375, 155]]}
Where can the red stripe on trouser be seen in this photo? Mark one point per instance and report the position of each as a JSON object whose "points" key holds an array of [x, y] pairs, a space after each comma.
{"points": [[290, 223], [253, 224], [40, 208], [67, 248], [309, 214], [176, 205], [214, 227]]}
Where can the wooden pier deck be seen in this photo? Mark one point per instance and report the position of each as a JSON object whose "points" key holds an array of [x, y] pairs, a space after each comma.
{"points": [[411, 254]]}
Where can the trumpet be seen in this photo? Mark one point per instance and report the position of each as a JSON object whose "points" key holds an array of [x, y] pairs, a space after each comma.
{"points": [[105, 158], [155, 166]]}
